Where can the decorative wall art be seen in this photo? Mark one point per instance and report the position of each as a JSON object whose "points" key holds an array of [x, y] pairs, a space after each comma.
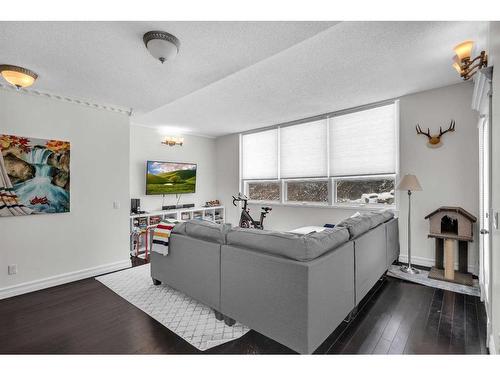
{"points": [[434, 141], [34, 176]]}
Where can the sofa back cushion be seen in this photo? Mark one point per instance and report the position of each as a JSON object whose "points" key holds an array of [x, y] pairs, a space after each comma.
{"points": [[204, 230], [289, 245], [357, 225]]}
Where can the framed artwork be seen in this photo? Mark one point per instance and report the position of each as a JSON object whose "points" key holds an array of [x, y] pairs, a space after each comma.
{"points": [[34, 176]]}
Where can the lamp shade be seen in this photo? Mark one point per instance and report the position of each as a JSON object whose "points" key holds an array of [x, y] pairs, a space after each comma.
{"points": [[457, 68], [464, 49], [409, 182]]}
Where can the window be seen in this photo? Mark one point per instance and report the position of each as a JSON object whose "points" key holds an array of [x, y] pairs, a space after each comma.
{"points": [[302, 150], [363, 143], [335, 159], [260, 155], [263, 190], [307, 191], [365, 190]]}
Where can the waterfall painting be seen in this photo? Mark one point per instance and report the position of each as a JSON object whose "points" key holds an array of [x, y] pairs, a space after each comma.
{"points": [[34, 176]]}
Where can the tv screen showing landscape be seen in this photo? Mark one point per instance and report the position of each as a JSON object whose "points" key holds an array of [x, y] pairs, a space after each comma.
{"points": [[170, 178]]}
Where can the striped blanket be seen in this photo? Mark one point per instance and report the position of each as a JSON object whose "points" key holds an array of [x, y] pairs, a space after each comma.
{"points": [[161, 235]]}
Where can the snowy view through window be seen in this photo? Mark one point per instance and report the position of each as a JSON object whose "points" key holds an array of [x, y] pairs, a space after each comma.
{"points": [[307, 191], [366, 191], [264, 191], [354, 191]]}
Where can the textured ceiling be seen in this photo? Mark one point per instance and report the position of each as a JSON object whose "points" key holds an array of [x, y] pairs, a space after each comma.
{"points": [[347, 65], [235, 76], [107, 62]]}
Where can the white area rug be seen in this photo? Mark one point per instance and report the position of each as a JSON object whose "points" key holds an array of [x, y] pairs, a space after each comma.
{"points": [[188, 318], [422, 278]]}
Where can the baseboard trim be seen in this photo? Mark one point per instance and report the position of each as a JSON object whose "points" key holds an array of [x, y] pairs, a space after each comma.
{"points": [[430, 262], [64, 278]]}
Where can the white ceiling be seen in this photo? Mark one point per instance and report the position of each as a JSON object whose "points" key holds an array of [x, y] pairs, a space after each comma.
{"points": [[107, 62], [235, 76], [349, 64]]}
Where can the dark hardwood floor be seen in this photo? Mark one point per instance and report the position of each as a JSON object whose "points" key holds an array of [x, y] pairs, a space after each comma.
{"points": [[86, 317]]}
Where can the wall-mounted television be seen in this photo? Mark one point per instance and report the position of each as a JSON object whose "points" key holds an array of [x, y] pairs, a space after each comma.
{"points": [[170, 178]]}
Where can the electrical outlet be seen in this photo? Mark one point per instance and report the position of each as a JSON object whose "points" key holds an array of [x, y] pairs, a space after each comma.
{"points": [[116, 205], [12, 269]]}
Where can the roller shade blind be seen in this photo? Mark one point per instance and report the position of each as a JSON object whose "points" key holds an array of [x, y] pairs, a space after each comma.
{"points": [[260, 155], [303, 150], [363, 142]]}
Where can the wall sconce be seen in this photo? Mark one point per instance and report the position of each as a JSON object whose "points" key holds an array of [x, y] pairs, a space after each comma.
{"points": [[173, 141], [462, 62]]}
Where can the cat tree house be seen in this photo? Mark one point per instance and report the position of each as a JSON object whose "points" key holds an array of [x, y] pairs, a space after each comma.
{"points": [[449, 226]]}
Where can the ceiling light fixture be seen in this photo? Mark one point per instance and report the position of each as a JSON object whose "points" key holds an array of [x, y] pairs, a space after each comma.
{"points": [[161, 45], [18, 76], [463, 63]]}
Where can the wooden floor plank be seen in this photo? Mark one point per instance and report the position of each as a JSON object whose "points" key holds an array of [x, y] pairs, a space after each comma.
{"points": [[417, 307], [472, 344], [422, 339], [365, 338], [482, 321], [445, 323], [457, 340]]}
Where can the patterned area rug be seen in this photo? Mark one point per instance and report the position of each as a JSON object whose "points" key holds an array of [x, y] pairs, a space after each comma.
{"points": [[186, 317], [423, 278]]}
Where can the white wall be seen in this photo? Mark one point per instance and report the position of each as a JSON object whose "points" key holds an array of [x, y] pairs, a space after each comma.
{"points": [[449, 175], [227, 172], [93, 237], [494, 52], [145, 144]]}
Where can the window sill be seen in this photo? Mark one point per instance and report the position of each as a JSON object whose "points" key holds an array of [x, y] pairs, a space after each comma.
{"points": [[364, 207]]}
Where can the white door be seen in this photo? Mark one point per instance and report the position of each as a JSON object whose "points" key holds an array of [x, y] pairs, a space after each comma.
{"points": [[485, 213]]}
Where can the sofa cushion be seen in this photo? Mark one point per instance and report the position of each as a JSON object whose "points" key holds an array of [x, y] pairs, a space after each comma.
{"points": [[356, 225], [205, 230], [289, 245], [388, 215], [376, 218], [180, 228]]}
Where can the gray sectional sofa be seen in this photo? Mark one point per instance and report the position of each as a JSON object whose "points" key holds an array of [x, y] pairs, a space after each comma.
{"points": [[295, 289]]}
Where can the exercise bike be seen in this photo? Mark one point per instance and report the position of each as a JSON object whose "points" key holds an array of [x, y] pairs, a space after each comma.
{"points": [[246, 221]]}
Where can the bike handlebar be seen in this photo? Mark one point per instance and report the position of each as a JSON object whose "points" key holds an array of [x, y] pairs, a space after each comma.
{"points": [[239, 198]]}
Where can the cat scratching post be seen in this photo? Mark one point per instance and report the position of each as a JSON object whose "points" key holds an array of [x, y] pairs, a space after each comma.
{"points": [[449, 259], [449, 225]]}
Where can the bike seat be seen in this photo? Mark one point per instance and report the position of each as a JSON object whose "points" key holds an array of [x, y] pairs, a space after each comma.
{"points": [[267, 209]]}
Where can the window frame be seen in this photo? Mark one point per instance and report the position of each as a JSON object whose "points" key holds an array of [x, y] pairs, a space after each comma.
{"points": [[331, 179]]}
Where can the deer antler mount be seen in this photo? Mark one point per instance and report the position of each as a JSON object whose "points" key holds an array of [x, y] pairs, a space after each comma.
{"points": [[435, 140]]}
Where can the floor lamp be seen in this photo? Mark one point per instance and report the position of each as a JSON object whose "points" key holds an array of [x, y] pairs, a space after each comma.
{"points": [[409, 183]]}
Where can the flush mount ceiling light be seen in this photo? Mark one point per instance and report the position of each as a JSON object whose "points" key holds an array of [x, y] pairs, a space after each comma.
{"points": [[464, 64], [161, 45], [18, 76]]}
